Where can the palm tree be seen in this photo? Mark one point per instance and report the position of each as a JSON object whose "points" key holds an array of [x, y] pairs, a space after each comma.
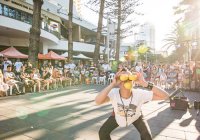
{"points": [[99, 29], [118, 31], [176, 38], [34, 39], [70, 39]]}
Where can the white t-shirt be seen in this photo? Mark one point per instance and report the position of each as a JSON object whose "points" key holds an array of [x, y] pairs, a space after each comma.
{"points": [[106, 67], [138, 69], [18, 66], [133, 106], [5, 64]]}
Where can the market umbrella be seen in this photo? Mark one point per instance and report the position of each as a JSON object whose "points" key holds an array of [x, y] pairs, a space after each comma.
{"points": [[54, 56], [81, 56], [13, 53]]}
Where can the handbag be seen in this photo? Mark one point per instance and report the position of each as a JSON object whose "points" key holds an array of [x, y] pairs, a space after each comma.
{"points": [[179, 102]]}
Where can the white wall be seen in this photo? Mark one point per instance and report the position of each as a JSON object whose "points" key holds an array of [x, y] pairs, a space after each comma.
{"points": [[63, 45], [5, 41]]}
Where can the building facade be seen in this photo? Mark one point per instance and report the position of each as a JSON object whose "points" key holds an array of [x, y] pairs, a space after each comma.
{"points": [[16, 20], [146, 35]]}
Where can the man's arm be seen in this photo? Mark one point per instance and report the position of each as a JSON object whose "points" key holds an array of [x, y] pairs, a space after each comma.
{"points": [[158, 93], [102, 97]]}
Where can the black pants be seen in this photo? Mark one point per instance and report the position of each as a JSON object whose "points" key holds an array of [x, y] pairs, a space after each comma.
{"points": [[111, 124]]}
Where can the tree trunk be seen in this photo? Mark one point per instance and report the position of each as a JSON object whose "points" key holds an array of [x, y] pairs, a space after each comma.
{"points": [[70, 39], [118, 31], [98, 36], [34, 39]]}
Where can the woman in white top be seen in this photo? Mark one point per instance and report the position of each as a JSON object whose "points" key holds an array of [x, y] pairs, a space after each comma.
{"points": [[127, 105], [3, 86]]}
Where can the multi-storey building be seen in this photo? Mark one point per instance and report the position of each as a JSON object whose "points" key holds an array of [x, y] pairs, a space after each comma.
{"points": [[16, 20], [146, 35]]}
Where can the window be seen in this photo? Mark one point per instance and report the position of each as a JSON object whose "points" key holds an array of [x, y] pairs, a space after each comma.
{"points": [[5, 10], [29, 19], [1, 9], [18, 15], [11, 13], [23, 16]]}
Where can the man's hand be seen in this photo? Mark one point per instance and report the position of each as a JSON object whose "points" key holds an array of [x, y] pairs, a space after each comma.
{"points": [[141, 81], [116, 80]]}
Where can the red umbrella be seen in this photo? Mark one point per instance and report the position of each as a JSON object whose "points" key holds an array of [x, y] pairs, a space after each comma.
{"points": [[54, 56], [41, 56], [13, 53]]}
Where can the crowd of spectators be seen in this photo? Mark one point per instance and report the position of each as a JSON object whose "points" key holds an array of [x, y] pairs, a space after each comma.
{"points": [[22, 77]]}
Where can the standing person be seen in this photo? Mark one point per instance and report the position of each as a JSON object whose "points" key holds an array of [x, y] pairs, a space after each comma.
{"points": [[6, 62], [18, 65], [127, 105], [163, 79], [138, 67]]}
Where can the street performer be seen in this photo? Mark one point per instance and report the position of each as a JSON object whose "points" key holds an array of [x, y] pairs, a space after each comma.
{"points": [[127, 101]]}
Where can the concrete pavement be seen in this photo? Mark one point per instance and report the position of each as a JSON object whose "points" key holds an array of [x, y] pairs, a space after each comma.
{"points": [[71, 114]]}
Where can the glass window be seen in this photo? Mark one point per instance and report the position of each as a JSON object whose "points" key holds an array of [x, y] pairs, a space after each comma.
{"points": [[29, 19], [11, 13], [18, 15], [1, 9], [26, 18], [22, 16], [5, 10]]}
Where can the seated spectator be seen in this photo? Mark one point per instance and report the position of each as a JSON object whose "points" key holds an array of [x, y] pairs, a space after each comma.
{"points": [[82, 75], [186, 77], [95, 76], [172, 77], [76, 75], [57, 76], [36, 77], [163, 79], [180, 78], [47, 78], [26, 79], [3, 86], [66, 78], [10, 79]]}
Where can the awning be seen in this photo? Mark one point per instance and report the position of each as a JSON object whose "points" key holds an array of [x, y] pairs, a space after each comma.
{"points": [[54, 56], [13, 53], [41, 56], [65, 54], [81, 56]]}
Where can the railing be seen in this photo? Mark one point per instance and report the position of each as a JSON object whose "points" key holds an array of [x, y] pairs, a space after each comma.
{"points": [[23, 17], [57, 34]]}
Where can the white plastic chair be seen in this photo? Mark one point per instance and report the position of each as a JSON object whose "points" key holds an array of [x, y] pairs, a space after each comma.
{"points": [[96, 79], [102, 80], [111, 77]]}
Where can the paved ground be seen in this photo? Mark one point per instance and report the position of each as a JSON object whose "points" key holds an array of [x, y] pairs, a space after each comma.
{"points": [[70, 114]]}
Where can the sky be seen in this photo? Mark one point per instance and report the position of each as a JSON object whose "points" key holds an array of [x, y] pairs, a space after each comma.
{"points": [[157, 12]]}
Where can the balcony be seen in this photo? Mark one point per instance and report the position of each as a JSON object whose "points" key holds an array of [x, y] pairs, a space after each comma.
{"points": [[17, 26], [14, 19]]}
